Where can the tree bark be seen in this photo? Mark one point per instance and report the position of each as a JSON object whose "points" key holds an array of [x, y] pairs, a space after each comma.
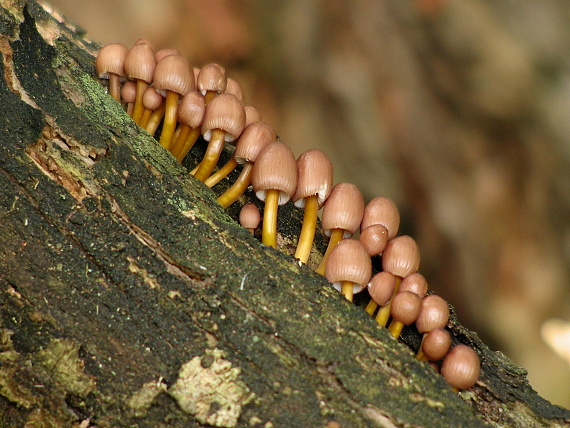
{"points": [[130, 298]]}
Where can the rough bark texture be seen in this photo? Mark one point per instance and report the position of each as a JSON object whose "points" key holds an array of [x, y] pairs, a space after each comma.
{"points": [[130, 298]]}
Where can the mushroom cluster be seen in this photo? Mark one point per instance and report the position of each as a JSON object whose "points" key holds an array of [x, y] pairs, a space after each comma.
{"points": [[162, 90]]}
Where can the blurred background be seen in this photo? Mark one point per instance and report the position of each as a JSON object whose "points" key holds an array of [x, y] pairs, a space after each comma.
{"points": [[457, 110]]}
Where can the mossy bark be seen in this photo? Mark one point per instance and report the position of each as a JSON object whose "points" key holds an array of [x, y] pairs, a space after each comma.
{"points": [[130, 298]]}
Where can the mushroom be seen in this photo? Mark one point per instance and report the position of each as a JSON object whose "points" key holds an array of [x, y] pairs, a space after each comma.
{"points": [[349, 267], [250, 143], [381, 210], [249, 217], [342, 214], [381, 289], [274, 179], [110, 64], [401, 257], [434, 314], [173, 78], [405, 308], [435, 345], [374, 238], [251, 115], [129, 93], [461, 367], [234, 88], [224, 121], [152, 101], [191, 112], [140, 64], [313, 188], [211, 81]]}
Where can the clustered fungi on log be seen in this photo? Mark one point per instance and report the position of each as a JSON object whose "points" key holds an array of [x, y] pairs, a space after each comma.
{"points": [[277, 178], [131, 298]]}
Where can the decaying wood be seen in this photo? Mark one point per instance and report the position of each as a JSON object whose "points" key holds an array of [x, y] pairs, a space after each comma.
{"points": [[130, 298]]}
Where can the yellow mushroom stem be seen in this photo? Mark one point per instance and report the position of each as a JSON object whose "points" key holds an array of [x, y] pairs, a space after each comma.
{"points": [[170, 119], [269, 228], [396, 328], [155, 119], [193, 172], [115, 86], [221, 173], [184, 142], [215, 147], [138, 108], [308, 228], [145, 117], [238, 188], [210, 95], [384, 313], [420, 356], [371, 307], [347, 290], [336, 237]]}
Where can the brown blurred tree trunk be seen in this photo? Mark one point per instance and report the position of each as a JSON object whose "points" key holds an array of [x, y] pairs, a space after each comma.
{"points": [[129, 298]]}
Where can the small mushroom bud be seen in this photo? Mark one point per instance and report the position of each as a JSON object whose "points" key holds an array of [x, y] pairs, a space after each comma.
{"points": [[381, 288], [349, 267], [110, 64], [251, 115], [152, 101], [435, 345], [274, 180], [129, 93], [249, 217], [405, 309], [313, 188], [342, 214], [234, 88], [415, 283], [374, 238], [461, 367]]}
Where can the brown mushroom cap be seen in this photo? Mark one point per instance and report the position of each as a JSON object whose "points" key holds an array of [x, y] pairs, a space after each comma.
{"points": [[349, 261], [436, 343], [381, 287], [315, 177], [434, 314], [212, 77], [249, 216], [152, 99], [382, 211], [174, 73], [224, 112], [374, 238], [129, 92], [343, 209], [251, 115], [405, 307], [234, 88], [191, 109], [252, 140], [140, 62], [415, 283], [111, 59], [461, 367], [165, 52], [401, 256], [274, 169]]}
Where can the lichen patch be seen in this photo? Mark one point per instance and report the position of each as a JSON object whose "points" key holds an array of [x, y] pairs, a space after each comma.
{"points": [[61, 360], [142, 399], [208, 388]]}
